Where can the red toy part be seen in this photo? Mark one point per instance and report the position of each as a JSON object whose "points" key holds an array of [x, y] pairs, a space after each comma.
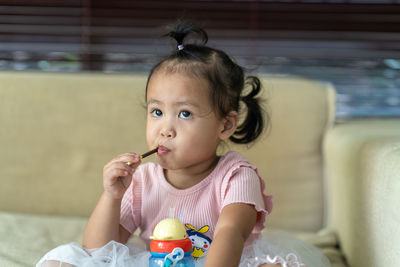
{"points": [[166, 246]]}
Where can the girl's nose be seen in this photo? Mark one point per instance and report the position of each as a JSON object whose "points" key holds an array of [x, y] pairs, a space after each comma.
{"points": [[168, 132]]}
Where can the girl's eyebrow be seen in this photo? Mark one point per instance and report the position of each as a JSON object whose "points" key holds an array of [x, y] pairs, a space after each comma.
{"points": [[153, 101], [187, 103], [179, 103]]}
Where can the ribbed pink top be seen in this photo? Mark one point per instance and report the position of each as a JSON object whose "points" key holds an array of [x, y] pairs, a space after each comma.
{"points": [[150, 198]]}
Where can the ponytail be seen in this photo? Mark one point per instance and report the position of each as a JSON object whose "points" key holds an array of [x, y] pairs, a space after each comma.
{"points": [[182, 29], [252, 126]]}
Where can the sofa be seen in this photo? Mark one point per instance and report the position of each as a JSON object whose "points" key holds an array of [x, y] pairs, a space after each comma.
{"points": [[335, 185]]}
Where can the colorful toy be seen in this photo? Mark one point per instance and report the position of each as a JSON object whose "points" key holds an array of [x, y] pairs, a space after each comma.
{"points": [[200, 242], [170, 245]]}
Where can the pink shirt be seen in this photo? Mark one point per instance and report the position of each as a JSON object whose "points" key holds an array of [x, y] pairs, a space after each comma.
{"points": [[152, 198]]}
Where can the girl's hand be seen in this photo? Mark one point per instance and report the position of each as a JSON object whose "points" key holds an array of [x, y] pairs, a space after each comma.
{"points": [[117, 175]]}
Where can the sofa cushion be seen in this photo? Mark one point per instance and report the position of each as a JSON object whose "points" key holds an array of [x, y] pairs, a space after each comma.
{"points": [[58, 131], [289, 155], [24, 239]]}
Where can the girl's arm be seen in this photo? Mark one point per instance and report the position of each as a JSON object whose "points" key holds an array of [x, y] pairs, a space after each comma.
{"points": [[234, 226], [104, 223]]}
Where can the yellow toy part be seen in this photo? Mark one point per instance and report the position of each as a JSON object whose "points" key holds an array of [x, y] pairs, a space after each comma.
{"points": [[169, 229], [197, 252], [202, 230]]}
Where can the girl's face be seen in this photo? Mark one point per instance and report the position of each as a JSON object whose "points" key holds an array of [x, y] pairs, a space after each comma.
{"points": [[181, 121]]}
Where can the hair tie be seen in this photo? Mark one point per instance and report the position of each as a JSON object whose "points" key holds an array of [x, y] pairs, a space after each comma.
{"points": [[180, 47]]}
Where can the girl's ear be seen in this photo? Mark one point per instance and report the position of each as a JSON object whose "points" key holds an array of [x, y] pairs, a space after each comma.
{"points": [[229, 125]]}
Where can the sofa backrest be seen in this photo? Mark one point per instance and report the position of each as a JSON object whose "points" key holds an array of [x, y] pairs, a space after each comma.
{"points": [[363, 166], [57, 131]]}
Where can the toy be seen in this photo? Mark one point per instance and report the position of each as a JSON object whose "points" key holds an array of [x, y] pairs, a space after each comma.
{"points": [[170, 245]]}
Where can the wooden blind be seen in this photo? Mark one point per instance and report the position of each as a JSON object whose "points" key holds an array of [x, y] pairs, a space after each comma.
{"points": [[91, 31], [327, 39]]}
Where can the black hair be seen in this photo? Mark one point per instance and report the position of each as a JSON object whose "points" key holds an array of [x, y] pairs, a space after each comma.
{"points": [[226, 79]]}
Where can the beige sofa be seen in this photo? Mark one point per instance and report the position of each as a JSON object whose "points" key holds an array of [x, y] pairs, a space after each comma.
{"points": [[335, 185]]}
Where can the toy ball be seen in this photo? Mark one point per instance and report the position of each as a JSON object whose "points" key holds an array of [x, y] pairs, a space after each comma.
{"points": [[169, 229]]}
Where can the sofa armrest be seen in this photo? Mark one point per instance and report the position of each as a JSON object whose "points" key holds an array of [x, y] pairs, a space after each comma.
{"points": [[363, 190]]}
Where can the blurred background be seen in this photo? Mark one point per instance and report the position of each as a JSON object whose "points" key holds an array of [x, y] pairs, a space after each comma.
{"points": [[354, 44]]}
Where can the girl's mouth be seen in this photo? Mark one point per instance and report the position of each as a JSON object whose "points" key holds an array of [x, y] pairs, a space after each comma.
{"points": [[162, 150]]}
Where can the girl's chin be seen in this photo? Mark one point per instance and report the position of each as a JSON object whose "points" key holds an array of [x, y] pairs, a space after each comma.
{"points": [[170, 164], [167, 163]]}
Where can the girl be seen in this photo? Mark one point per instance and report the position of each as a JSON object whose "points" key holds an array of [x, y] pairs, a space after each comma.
{"points": [[194, 99]]}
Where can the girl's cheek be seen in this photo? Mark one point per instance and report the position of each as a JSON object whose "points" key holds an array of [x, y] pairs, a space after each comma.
{"points": [[149, 135]]}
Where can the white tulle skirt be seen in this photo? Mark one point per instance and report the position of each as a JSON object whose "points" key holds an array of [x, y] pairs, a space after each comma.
{"points": [[274, 247]]}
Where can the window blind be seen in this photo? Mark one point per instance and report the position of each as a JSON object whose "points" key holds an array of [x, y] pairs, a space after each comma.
{"points": [[353, 43]]}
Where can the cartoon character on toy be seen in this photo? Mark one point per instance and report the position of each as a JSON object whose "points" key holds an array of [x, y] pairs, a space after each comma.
{"points": [[200, 242]]}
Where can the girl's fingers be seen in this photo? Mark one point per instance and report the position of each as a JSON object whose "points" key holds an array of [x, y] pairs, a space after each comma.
{"points": [[127, 157], [121, 165], [115, 173]]}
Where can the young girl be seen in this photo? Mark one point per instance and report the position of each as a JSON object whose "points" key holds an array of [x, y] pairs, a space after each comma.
{"points": [[194, 101]]}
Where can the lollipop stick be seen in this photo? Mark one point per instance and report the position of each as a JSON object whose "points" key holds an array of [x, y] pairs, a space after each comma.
{"points": [[149, 153], [129, 163]]}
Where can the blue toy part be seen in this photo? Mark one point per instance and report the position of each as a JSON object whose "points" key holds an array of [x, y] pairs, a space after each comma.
{"points": [[184, 259], [172, 258]]}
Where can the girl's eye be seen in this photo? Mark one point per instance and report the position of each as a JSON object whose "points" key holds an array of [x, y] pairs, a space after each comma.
{"points": [[156, 113], [185, 114]]}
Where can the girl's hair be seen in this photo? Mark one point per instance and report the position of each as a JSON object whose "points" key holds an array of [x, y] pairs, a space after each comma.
{"points": [[225, 78]]}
